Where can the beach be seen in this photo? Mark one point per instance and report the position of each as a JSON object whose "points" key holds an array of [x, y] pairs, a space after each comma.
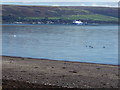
{"points": [[19, 72]]}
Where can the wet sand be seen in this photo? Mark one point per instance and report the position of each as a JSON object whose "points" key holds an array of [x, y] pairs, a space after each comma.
{"points": [[20, 72]]}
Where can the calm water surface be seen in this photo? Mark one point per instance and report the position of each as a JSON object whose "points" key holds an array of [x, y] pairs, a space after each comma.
{"points": [[95, 44]]}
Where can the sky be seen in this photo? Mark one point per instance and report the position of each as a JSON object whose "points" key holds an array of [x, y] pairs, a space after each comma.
{"points": [[103, 3], [60, 0]]}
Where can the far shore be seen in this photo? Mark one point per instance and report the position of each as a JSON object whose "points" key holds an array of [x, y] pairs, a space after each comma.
{"points": [[90, 24], [44, 73]]}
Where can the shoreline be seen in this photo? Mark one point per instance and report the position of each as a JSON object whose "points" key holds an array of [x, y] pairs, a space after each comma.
{"points": [[97, 24], [63, 74], [58, 60]]}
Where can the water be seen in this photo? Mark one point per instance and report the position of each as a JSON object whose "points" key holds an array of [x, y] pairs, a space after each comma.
{"points": [[94, 44]]}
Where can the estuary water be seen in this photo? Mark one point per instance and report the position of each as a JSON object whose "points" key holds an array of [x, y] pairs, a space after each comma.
{"points": [[94, 44]]}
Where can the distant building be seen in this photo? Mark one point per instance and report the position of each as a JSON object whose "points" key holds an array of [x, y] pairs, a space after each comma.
{"points": [[49, 22], [78, 22], [17, 22]]}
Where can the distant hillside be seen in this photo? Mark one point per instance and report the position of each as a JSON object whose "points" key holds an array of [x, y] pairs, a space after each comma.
{"points": [[12, 13]]}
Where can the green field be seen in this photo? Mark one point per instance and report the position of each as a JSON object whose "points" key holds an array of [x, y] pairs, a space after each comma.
{"points": [[95, 17]]}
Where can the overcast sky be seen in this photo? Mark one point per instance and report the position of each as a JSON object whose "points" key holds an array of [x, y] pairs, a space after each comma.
{"points": [[60, 0], [103, 3]]}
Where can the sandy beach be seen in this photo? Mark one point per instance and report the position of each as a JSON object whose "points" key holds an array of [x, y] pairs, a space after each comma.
{"points": [[20, 72]]}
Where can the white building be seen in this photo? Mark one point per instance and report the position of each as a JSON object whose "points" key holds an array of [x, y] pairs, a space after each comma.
{"points": [[78, 22], [17, 22]]}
